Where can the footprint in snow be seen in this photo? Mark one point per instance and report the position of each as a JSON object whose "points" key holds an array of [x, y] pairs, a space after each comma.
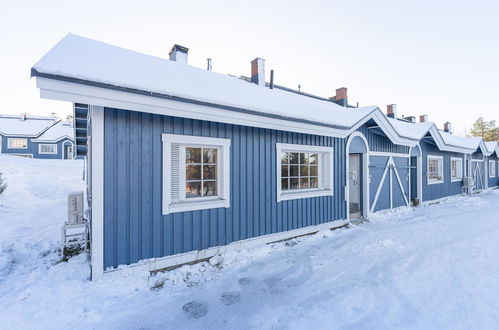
{"points": [[195, 309], [229, 298], [244, 281]]}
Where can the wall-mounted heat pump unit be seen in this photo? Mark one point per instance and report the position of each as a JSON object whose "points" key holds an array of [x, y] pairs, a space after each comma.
{"points": [[75, 208]]}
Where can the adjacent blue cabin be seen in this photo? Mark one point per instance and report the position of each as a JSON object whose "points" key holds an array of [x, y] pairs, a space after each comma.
{"points": [[36, 137], [184, 163]]}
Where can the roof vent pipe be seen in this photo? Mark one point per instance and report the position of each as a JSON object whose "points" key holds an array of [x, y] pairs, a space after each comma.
{"points": [[411, 119], [391, 111], [208, 64], [258, 71], [448, 127], [423, 118], [271, 79], [178, 53]]}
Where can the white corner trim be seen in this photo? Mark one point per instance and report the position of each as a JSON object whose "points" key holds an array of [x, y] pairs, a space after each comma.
{"points": [[47, 144], [308, 193], [97, 220], [224, 166], [365, 176]]}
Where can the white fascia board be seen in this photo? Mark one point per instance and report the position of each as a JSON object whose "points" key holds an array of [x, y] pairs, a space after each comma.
{"points": [[435, 133], [78, 93], [386, 127], [483, 146], [52, 141]]}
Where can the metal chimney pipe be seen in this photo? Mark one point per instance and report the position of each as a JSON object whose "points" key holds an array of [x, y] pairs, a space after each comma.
{"points": [[271, 79], [208, 60]]}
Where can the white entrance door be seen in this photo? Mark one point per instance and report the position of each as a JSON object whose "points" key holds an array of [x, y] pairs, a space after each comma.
{"points": [[68, 151], [354, 176]]}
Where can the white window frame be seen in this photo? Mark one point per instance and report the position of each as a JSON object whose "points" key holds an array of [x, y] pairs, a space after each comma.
{"points": [[326, 184], [434, 181], [47, 153], [201, 203], [11, 140], [492, 174], [459, 166]]}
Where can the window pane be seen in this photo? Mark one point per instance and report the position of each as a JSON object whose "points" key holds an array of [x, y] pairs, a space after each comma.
{"points": [[313, 158], [209, 172], [284, 184], [193, 189], [284, 171], [293, 170], [210, 155], [293, 157], [193, 172], [314, 183], [303, 170], [303, 158], [293, 183], [304, 183], [314, 170], [209, 188], [284, 158], [193, 155]]}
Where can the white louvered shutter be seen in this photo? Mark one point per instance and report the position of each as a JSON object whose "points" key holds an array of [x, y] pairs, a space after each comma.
{"points": [[175, 192]]}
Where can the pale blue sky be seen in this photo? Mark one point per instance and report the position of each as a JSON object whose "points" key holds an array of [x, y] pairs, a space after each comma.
{"points": [[439, 58]]}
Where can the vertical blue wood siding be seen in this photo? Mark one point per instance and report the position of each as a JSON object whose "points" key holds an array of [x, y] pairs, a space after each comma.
{"points": [[32, 148], [447, 188], [494, 181], [136, 229]]}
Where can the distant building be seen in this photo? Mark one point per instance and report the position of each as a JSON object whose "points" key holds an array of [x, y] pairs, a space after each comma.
{"points": [[36, 137]]}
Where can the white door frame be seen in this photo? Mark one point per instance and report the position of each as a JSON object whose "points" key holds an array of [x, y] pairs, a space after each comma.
{"points": [[419, 172], [365, 176]]}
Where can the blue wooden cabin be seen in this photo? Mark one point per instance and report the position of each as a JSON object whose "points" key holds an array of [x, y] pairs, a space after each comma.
{"points": [[35, 137], [185, 163]]}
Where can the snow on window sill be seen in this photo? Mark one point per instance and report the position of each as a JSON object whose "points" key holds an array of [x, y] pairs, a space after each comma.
{"points": [[185, 206], [456, 179], [435, 181], [284, 196]]}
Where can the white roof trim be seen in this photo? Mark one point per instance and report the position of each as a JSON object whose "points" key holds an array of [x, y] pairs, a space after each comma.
{"points": [[78, 93]]}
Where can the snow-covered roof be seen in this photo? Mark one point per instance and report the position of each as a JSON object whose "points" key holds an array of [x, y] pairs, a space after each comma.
{"points": [[57, 132], [492, 146], [112, 66], [410, 130], [30, 126]]}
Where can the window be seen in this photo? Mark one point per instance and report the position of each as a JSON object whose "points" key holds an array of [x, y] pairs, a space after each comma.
{"points": [[303, 171], [47, 148], [196, 173], [17, 143], [492, 168], [435, 169], [456, 169]]}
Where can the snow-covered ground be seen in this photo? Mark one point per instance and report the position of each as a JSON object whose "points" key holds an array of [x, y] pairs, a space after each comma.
{"points": [[435, 267]]}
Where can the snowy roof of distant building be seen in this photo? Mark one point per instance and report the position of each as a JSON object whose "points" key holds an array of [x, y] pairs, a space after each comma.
{"points": [[410, 130], [458, 141], [115, 67], [57, 132], [31, 126]]}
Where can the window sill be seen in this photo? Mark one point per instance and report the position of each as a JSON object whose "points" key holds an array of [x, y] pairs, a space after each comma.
{"points": [[456, 180], [304, 194], [435, 182], [185, 206]]}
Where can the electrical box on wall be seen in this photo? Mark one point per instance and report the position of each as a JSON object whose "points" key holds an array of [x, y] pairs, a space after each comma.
{"points": [[75, 208]]}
